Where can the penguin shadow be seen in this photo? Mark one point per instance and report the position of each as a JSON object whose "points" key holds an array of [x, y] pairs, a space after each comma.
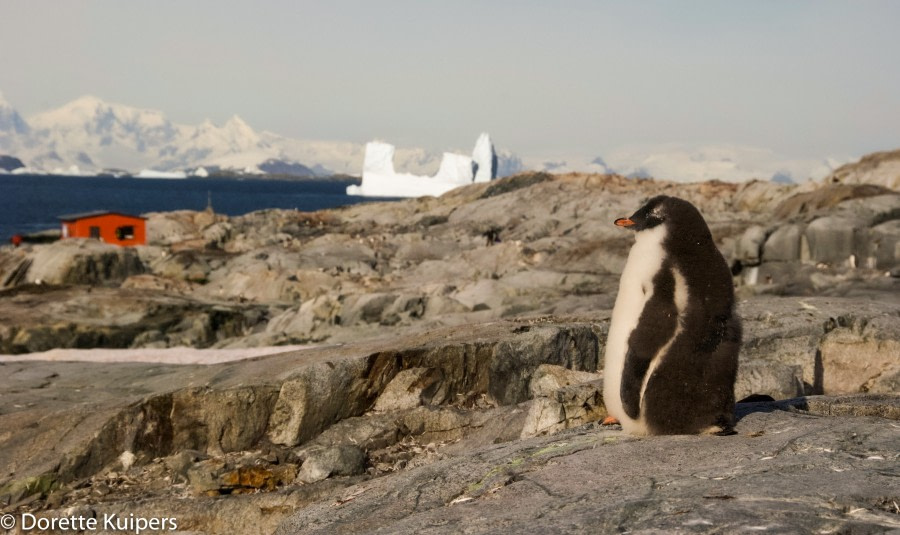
{"points": [[752, 404], [765, 403]]}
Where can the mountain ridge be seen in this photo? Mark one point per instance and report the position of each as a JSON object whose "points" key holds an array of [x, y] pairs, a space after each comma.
{"points": [[89, 135]]}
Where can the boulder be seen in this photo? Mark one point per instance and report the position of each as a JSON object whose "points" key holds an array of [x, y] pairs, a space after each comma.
{"points": [[343, 460], [786, 244], [366, 308], [749, 246], [184, 265], [169, 228], [880, 168], [311, 320], [861, 355], [566, 407], [884, 249], [323, 393], [836, 240], [549, 378], [411, 388], [817, 345], [73, 261]]}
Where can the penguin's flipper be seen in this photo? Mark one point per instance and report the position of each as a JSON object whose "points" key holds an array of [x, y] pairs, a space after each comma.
{"points": [[655, 328]]}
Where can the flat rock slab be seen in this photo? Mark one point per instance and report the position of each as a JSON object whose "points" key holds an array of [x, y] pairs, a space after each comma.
{"points": [[786, 471], [74, 418]]}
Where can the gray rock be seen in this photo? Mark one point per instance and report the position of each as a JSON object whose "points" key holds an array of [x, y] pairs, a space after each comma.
{"points": [[834, 240], [71, 261], [878, 405], [749, 246], [372, 431], [768, 476], [411, 388], [548, 379], [861, 355], [817, 345], [884, 247], [411, 298], [366, 308], [781, 381], [436, 424], [320, 399], [882, 168], [343, 460], [312, 320], [560, 256], [874, 209], [40, 318], [218, 421], [786, 244], [169, 228], [567, 407], [181, 462], [472, 362], [185, 265], [317, 396], [263, 275], [204, 478]]}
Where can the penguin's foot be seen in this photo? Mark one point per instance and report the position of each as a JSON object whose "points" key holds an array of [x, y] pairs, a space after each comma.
{"points": [[610, 420]]}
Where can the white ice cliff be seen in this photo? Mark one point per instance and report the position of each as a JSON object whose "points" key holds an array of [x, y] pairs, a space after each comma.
{"points": [[379, 179]]}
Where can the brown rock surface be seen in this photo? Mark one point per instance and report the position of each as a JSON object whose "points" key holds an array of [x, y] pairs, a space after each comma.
{"points": [[456, 383], [880, 168]]}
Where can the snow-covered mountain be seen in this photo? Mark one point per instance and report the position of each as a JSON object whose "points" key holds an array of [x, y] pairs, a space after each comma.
{"points": [[89, 135], [10, 120], [696, 163], [94, 135]]}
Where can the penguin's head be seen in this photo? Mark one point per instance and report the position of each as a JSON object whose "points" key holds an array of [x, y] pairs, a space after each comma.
{"points": [[670, 211], [653, 213]]}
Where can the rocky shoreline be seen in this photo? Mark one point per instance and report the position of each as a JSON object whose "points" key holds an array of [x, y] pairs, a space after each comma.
{"points": [[452, 379]]}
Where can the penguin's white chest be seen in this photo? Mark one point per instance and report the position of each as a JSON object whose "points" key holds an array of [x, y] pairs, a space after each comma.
{"points": [[635, 288]]}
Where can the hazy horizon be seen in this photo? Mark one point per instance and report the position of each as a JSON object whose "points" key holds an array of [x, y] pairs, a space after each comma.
{"points": [[800, 81]]}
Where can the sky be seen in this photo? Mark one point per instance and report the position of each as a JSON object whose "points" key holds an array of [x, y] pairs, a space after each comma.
{"points": [[801, 79]]}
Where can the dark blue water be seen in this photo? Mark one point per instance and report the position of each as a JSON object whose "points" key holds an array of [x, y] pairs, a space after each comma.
{"points": [[29, 203]]}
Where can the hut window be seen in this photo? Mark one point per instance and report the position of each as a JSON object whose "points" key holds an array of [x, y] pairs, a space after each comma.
{"points": [[95, 233], [125, 233]]}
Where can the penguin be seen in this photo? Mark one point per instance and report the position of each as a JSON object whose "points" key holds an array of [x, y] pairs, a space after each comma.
{"points": [[672, 353]]}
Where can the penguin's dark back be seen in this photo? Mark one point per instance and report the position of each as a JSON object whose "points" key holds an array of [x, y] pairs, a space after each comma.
{"points": [[709, 317], [692, 250]]}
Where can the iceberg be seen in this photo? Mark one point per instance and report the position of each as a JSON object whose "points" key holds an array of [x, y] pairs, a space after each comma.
{"points": [[379, 179], [485, 159], [153, 173]]}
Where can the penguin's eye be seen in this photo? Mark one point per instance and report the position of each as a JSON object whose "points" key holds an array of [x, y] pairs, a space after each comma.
{"points": [[654, 218]]}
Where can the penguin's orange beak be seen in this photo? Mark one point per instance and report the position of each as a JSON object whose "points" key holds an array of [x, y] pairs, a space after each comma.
{"points": [[624, 222]]}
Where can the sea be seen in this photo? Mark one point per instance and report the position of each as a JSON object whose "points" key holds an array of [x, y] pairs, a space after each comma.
{"points": [[32, 203]]}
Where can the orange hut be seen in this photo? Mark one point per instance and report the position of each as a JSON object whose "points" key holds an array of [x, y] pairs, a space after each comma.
{"points": [[110, 227]]}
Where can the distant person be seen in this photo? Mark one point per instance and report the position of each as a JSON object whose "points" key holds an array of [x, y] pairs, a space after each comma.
{"points": [[16, 240], [492, 236]]}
